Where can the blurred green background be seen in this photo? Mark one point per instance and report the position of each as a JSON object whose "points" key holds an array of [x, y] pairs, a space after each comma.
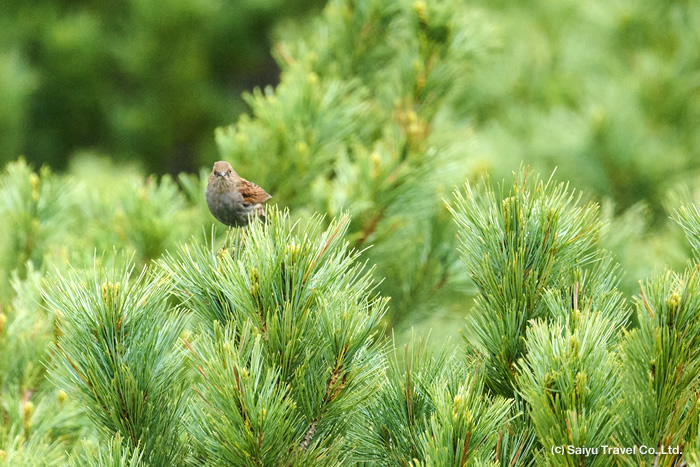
{"points": [[377, 108], [137, 80]]}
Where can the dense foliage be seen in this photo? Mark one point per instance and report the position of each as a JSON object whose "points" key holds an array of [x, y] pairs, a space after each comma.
{"points": [[136, 330], [266, 344]]}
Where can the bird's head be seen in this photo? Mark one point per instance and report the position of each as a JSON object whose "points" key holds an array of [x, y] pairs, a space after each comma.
{"points": [[223, 169]]}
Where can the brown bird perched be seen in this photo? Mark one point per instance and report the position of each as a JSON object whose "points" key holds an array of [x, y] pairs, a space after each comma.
{"points": [[234, 200]]}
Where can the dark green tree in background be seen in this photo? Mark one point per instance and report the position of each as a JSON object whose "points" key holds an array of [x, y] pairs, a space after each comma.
{"points": [[133, 80]]}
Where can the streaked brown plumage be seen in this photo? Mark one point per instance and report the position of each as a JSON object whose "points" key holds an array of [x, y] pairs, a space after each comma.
{"points": [[234, 200]]}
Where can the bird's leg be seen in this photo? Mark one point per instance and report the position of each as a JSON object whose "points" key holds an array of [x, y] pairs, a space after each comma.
{"points": [[223, 248], [244, 235]]}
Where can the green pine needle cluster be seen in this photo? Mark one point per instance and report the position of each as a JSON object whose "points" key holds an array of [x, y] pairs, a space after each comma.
{"points": [[529, 240], [113, 453], [569, 380], [118, 356], [661, 363], [553, 330], [432, 409], [688, 217], [293, 332]]}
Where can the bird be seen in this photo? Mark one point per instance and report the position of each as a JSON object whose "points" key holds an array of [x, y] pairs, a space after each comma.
{"points": [[233, 200]]}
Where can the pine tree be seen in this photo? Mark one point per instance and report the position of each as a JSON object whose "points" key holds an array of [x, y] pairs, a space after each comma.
{"points": [[268, 346], [290, 351]]}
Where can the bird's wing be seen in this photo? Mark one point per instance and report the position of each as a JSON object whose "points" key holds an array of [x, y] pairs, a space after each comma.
{"points": [[252, 193]]}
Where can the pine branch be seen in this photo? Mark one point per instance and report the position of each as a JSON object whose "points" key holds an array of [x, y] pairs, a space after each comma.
{"points": [[661, 365], [118, 356], [517, 249], [289, 351]]}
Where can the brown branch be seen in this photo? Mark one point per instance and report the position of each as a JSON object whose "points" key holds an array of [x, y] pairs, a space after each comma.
{"points": [[517, 453], [370, 226], [331, 393], [644, 299], [244, 412], [498, 447], [464, 449], [194, 388], [284, 53], [202, 372], [408, 386], [189, 347], [341, 223], [331, 390], [308, 436]]}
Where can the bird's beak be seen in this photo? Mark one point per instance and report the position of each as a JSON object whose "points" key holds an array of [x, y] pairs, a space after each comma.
{"points": [[222, 174]]}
